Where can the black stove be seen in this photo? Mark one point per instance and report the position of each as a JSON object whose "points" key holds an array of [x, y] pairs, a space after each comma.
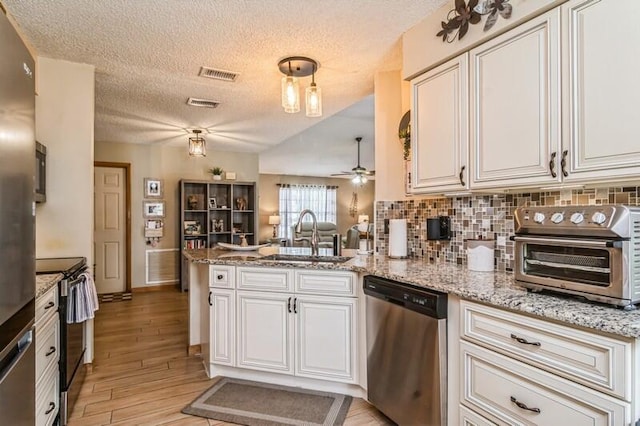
{"points": [[68, 266]]}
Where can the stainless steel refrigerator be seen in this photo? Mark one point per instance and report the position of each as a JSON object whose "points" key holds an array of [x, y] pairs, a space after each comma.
{"points": [[17, 229]]}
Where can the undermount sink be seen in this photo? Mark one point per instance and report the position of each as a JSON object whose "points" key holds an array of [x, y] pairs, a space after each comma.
{"points": [[305, 258]]}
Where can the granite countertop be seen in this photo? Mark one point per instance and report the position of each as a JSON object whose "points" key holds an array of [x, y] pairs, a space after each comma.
{"points": [[45, 282], [494, 288]]}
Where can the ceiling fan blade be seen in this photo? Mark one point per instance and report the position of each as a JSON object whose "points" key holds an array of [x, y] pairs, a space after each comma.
{"points": [[342, 174], [369, 172]]}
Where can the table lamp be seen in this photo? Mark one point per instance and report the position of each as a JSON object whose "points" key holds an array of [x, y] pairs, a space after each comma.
{"points": [[275, 221]]}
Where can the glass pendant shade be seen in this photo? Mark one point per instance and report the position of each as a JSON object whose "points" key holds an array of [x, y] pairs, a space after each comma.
{"points": [[290, 94], [313, 101], [197, 146], [359, 179]]}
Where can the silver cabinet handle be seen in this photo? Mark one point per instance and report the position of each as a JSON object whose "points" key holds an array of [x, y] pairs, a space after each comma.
{"points": [[524, 341], [552, 164], [524, 406]]}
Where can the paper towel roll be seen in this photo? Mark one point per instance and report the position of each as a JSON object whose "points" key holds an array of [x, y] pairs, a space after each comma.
{"points": [[398, 238]]}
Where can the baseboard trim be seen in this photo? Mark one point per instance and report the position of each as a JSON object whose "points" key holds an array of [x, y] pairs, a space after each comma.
{"points": [[194, 350], [163, 287]]}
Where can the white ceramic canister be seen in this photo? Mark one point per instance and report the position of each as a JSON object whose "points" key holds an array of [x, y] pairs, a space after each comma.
{"points": [[480, 255]]}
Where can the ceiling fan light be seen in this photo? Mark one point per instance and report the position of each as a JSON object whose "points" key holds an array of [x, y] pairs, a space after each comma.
{"points": [[313, 101], [357, 179], [197, 145], [290, 94]]}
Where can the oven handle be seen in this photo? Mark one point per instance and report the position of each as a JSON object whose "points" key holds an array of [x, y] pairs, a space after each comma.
{"points": [[569, 242]]}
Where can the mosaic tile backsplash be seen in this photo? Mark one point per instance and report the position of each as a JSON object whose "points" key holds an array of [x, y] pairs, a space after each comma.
{"points": [[486, 216]]}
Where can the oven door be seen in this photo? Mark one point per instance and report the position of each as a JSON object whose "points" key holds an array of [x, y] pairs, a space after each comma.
{"points": [[577, 266]]}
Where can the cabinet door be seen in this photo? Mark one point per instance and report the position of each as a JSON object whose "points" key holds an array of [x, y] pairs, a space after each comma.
{"points": [[326, 338], [222, 336], [601, 89], [515, 106], [439, 120], [265, 327]]}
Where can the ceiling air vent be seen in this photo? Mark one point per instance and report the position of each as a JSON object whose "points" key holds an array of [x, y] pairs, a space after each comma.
{"points": [[218, 74], [204, 103]]}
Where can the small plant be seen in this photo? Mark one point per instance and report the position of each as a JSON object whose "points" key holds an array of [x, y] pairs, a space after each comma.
{"points": [[216, 171], [405, 137]]}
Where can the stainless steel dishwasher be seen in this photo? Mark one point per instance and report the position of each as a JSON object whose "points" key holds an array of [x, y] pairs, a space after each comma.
{"points": [[406, 352]]}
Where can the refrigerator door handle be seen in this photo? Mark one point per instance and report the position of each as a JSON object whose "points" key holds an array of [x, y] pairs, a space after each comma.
{"points": [[17, 352]]}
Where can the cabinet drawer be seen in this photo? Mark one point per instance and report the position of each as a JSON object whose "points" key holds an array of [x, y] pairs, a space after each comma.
{"points": [[325, 282], [221, 276], [270, 279], [47, 305], [510, 392], [47, 346], [47, 398], [470, 418], [597, 361]]}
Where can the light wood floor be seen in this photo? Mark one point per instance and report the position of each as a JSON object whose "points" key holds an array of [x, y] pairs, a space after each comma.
{"points": [[142, 374]]}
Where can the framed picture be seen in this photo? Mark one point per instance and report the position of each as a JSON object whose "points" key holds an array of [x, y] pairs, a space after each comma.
{"points": [[153, 188], [192, 227], [154, 224], [213, 204], [153, 209]]}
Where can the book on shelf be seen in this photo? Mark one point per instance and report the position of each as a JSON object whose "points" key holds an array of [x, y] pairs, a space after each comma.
{"points": [[195, 244]]}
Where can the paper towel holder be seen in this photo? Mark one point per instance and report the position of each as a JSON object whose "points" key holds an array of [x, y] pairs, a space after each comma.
{"points": [[439, 228]]}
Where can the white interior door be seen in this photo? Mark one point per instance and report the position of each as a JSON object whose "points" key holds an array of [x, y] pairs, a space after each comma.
{"points": [[109, 229]]}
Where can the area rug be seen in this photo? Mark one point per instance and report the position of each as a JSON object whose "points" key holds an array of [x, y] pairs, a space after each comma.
{"points": [[262, 404]]}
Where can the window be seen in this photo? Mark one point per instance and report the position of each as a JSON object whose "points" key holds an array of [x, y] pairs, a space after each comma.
{"points": [[320, 199]]}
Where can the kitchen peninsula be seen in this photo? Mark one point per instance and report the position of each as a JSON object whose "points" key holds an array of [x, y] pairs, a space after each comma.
{"points": [[583, 357]]}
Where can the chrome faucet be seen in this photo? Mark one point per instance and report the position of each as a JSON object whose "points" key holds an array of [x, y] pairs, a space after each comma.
{"points": [[315, 239]]}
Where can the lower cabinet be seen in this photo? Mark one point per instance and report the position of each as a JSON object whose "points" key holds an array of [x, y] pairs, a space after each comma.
{"points": [[47, 357], [509, 377], [298, 322], [308, 336]]}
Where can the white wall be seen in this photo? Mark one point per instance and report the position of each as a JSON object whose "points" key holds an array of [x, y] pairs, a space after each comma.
{"points": [[64, 124], [391, 102]]}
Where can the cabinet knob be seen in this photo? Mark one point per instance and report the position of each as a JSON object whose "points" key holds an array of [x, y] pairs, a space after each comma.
{"points": [[220, 276]]}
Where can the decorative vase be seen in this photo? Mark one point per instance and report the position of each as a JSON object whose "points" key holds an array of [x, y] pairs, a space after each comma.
{"points": [[217, 177]]}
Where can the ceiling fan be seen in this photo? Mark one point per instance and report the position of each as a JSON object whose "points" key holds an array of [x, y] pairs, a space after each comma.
{"points": [[359, 173]]}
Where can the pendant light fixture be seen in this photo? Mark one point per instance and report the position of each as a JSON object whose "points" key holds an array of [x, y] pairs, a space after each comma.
{"points": [[313, 98], [293, 68], [197, 145]]}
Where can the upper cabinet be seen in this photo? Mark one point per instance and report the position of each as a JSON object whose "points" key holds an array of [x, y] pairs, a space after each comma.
{"points": [[439, 134], [551, 101], [601, 89], [515, 106]]}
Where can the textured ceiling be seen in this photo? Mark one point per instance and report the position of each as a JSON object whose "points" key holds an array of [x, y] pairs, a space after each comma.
{"points": [[148, 53]]}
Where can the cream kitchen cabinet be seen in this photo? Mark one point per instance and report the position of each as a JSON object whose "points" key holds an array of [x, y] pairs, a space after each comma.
{"points": [[297, 322], [600, 90], [521, 370], [439, 120], [308, 336], [515, 106], [47, 357]]}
